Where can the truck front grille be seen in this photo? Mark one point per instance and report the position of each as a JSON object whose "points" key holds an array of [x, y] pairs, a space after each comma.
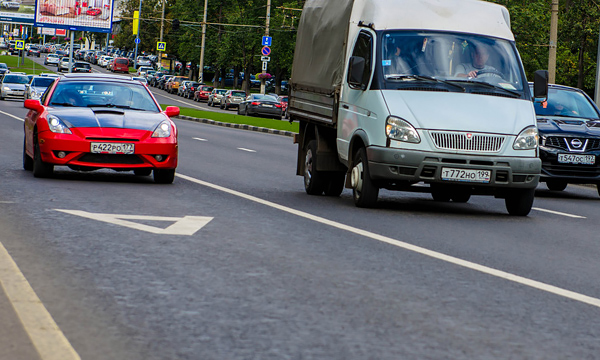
{"points": [[464, 141]]}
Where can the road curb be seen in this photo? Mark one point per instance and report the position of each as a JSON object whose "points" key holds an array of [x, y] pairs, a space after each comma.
{"points": [[237, 126]]}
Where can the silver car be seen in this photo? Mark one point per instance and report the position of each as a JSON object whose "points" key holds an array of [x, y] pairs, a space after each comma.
{"points": [[215, 97], [13, 85], [232, 99], [52, 59], [37, 86]]}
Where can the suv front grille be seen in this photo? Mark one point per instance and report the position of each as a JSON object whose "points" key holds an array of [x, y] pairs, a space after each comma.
{"points": [[463, 141], [561, 143]]}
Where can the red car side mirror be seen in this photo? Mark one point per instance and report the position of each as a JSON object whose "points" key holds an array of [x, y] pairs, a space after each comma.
{"points": [[35, 105], [171, 111]]}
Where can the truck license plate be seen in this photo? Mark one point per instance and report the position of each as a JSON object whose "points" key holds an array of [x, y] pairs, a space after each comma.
{"points": [[112, 148], [466, 175], [576, 159]]}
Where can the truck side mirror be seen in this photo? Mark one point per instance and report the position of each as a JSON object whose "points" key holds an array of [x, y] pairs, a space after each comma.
{"points": [[540, 84], [356, 70]]}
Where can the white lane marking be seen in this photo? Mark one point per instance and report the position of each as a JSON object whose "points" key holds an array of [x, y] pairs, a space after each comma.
{"points": [[187, 225], [248, 150], [7, 202], [199, 139], [423, 251], [559, 213], [47, 338], [12, 116]]}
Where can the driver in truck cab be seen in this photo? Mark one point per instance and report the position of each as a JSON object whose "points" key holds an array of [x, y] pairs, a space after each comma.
{"points": [[479, 57]]}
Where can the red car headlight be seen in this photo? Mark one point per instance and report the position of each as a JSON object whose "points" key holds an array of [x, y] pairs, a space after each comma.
{"points": [[163, 130]]}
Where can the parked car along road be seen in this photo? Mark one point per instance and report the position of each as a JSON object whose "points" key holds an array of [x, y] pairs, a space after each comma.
{"points": [[569, 126], [232, 98], [260, 105], [82, 109], [52, 59], [215, 97]]}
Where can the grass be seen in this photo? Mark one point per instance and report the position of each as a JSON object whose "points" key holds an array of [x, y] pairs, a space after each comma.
{"points": [[239, 119], [29, 67]]}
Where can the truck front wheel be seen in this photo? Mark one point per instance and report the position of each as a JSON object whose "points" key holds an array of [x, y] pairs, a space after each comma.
{"points": [[314, 181], [365, 193], [519, 201]]}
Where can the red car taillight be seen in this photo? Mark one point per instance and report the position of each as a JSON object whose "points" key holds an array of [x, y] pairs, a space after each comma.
{"points": [[255, 103], [278, 105]]}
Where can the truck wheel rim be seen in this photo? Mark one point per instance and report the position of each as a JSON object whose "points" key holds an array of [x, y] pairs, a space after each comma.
{"points": [[308, 163], [356, 178]]}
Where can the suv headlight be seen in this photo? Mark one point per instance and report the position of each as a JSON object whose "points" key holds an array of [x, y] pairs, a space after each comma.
{"points": [[163, 130], [401, 130], [527, 139], [56, 125]]}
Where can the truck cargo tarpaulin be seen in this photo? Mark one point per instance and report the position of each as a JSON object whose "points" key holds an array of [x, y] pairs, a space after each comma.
{"points": [[86, 15]]}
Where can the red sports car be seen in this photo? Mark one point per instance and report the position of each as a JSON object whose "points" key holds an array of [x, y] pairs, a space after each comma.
{"points": [[94, 12], [94, 121]]}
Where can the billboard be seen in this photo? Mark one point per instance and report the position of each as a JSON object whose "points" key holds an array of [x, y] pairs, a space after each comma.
{"points": [[17, 11], [80, 15]]}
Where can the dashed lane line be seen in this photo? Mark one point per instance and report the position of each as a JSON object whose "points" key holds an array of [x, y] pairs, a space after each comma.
{"points": [[417, 249], [559, 213]]}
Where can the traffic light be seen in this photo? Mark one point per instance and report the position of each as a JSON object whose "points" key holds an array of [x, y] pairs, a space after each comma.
{"points": [[175, 25]]}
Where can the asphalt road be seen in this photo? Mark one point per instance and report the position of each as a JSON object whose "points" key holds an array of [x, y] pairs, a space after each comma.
{"points": [[276, 274]]}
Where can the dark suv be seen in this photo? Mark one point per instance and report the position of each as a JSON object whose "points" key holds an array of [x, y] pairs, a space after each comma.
{"points": [[569, 127]]}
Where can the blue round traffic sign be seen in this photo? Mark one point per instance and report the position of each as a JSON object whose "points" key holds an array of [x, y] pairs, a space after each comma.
{"points": [[266, 51], [137, 40]]}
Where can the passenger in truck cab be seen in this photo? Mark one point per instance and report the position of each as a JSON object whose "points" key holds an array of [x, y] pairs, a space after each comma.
{"points": [[396, 63]]}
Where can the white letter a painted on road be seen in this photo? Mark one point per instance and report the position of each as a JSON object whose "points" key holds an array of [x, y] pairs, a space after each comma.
{"points": [[187, 225]]}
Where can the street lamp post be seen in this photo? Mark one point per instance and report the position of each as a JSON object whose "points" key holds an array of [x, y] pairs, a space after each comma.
{"points": [[201, 65]]}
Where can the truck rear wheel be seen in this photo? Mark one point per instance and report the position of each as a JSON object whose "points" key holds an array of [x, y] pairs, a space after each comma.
{"points": [[365, 193], [314, 181], [519, 201]]}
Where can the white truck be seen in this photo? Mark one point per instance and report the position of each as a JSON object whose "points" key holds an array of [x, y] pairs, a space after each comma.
{"points": [[414, 95]]}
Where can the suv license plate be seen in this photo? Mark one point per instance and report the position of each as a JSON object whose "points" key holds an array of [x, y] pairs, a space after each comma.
{"points": [[577, 159], [112, 148], [466, 175]]}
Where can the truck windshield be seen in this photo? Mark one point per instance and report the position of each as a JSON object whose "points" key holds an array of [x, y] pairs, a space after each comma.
{"points": [[467, 60]]}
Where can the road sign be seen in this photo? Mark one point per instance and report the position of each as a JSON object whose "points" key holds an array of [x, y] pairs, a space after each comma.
{"points": [[137, 40], [161, 46], [20, 44], [265, 58], [264, 67], [266, 40], [24, 36], [266, 51]]}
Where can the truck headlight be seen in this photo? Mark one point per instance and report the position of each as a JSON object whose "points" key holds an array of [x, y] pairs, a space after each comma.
{"points": [[527, 139], [401, 130]]}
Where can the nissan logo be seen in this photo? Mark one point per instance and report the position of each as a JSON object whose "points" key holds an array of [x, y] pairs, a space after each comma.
{"points": [[576, 143]]}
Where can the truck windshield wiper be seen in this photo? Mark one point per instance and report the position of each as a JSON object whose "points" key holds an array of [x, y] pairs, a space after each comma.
{"points": [[488, 85], [421, 78]]}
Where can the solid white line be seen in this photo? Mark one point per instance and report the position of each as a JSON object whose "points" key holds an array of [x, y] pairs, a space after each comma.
{"points": [[46, 336], [560, 213], [248, 150], [434, 254], [199, 139], [12, 116]]}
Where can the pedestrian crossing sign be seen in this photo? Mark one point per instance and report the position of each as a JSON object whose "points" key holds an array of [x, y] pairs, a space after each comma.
{"points": [[161, 46], [20, 44]]}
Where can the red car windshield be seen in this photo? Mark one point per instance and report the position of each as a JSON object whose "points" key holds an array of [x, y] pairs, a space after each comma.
{"points": [[103, 94]]}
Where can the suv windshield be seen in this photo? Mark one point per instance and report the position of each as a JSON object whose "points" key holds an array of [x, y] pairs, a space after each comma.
{"points": [[565, 103], [462, 60]]}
